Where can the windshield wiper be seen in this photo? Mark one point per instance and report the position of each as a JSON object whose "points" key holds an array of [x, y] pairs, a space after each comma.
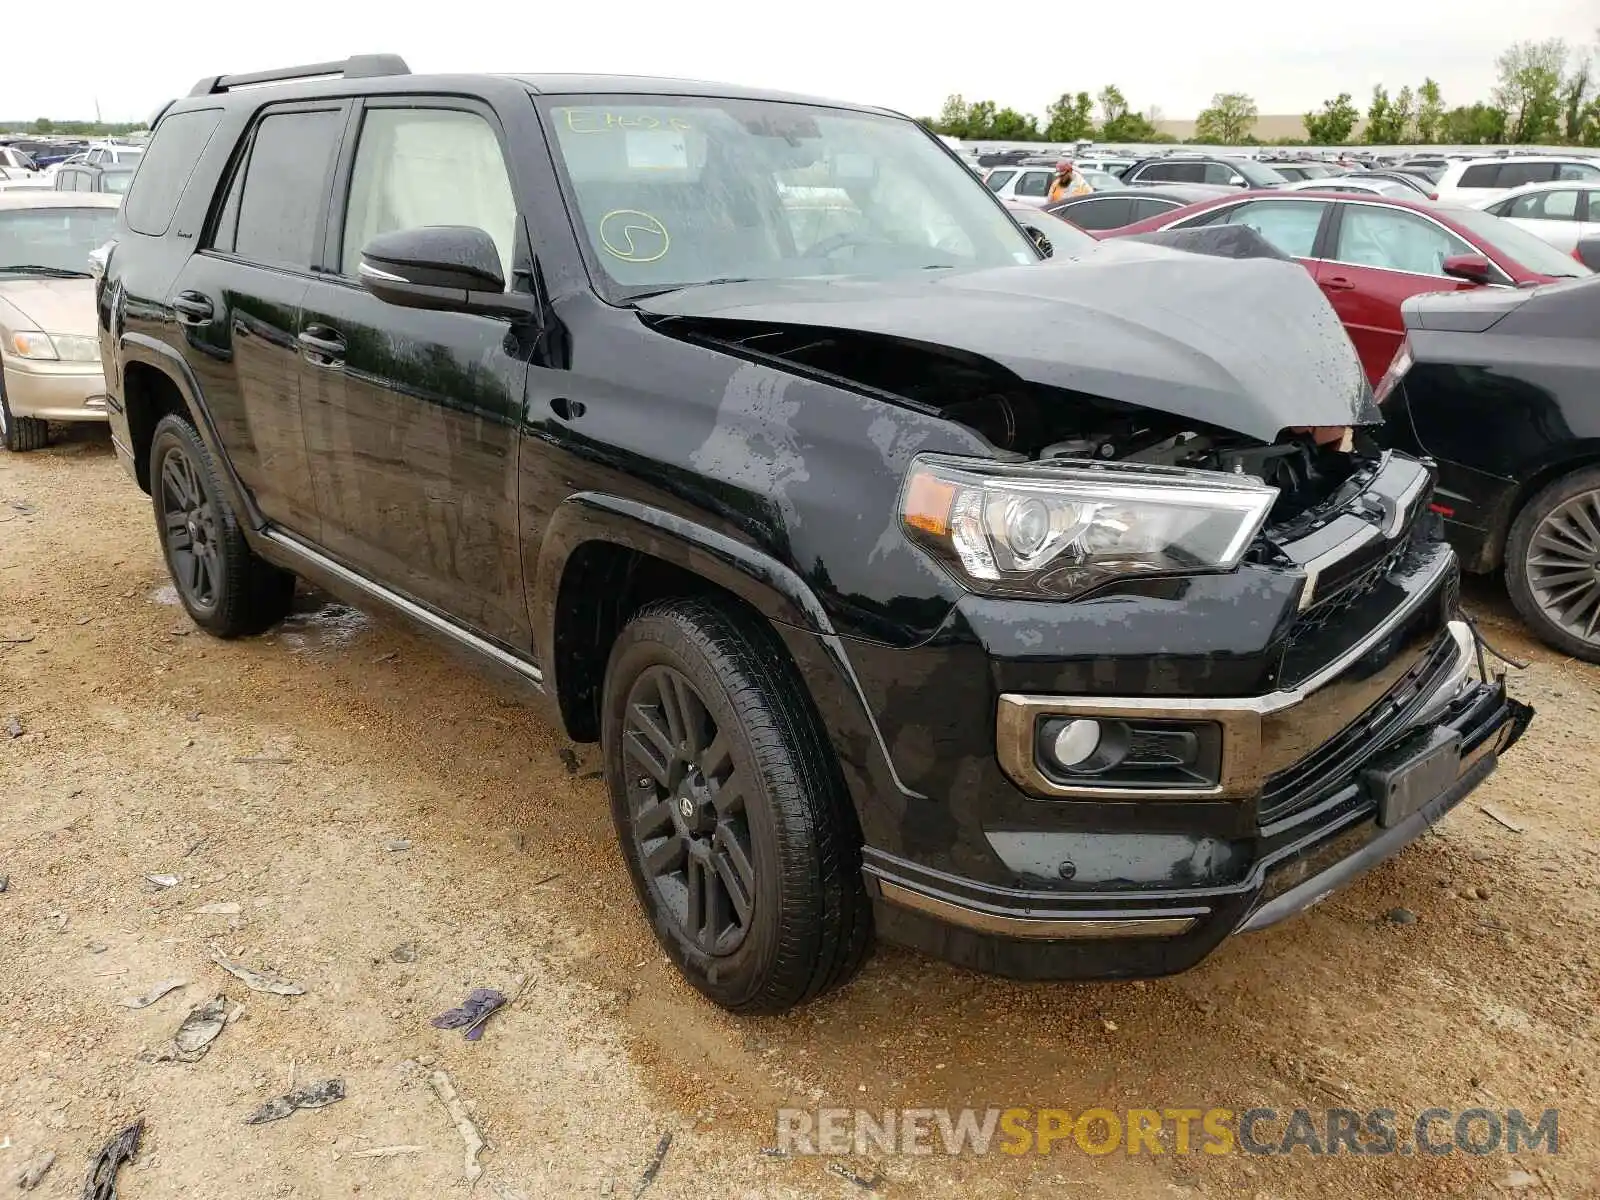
{"points": [[37, 269], [683, 287]]}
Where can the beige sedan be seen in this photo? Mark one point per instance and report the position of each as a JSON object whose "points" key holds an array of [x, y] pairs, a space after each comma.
{"points": [[48, 349]]}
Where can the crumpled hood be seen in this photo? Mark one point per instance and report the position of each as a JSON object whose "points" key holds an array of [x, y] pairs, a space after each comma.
{"points": [[53, 305], [1248, 345]]}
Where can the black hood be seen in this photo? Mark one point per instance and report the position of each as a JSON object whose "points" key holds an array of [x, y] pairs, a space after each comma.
{"points": [[1249, 345]]}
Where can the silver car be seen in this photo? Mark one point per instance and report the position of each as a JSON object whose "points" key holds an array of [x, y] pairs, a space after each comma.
{"points": [[1561, 213]]}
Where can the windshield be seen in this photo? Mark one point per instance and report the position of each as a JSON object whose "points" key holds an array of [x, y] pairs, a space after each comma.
{"points": [[698, 190], [1256, 175], [55, 238], [1533, 253]]}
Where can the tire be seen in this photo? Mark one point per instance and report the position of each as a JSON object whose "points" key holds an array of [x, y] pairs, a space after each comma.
{"points": [[21, 434], [224, 587], [768, 789], [1556, 536]]}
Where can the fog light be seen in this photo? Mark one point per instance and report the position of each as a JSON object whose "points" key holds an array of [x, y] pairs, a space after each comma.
{"points": [[1075, 742]]}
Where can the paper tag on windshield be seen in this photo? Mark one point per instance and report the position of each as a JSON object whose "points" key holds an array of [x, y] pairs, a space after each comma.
{"points": [[657, 150]]}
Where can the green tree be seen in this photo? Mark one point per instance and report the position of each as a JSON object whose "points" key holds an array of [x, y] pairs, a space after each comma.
{"points": [[1380, 130], [1479, 124], [1009, 125], [1403, 116], [1229, 119], [980, 119], [1430, 111], [1128, 127], [1069, 118], [1333, 124], [1529, 92], [953, 117], [1575, 91], [44, 125], [1113, 104]]}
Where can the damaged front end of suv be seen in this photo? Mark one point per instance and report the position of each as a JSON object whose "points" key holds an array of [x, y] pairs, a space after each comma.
{"points": [[1202, 662]]}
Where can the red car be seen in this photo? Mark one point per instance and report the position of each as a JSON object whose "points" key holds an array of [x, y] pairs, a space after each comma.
{"points": [[1370, 253]]}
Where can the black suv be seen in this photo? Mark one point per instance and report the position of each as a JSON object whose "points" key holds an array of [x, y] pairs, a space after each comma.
{"points": [[1053, 618], [1192, 168]]}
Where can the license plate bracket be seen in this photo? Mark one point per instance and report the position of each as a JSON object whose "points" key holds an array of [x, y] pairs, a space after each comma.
{"points": [[1413, 775]]}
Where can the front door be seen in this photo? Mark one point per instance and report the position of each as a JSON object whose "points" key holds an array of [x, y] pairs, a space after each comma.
{"points": [[412, 415]]}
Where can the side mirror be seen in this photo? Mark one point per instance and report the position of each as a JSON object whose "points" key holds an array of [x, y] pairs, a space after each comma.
{"points": [[1036, 235], [1474, 268], [1588, 253], [448, 267]]}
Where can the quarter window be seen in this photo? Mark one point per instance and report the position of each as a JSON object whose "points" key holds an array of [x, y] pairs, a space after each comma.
{"points": [[1545, 206], [284, 186], [1394, 240], [179, 141], [1578, 171], [998, 179], [416, 167], [1484, 175]]}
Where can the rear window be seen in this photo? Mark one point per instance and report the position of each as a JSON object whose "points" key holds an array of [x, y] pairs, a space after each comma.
{"points": [[1483, 175], [1515, 174], [178, 143]]}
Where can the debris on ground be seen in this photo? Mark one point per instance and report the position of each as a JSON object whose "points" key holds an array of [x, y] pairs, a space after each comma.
{"points": [[861, 1181], [569, 760], [101, 1182], [473, 1140], [474, 1011], [194, 1037], [654, 1167], [256, 981], [163, 881], [1400, 916], [154, 994], [13, 728], [34, 1170], [388, 1151], [314, 1095], [396, 845], [276, 760], [220, 908], [1495, 814], [405, 952], [5, 883]]}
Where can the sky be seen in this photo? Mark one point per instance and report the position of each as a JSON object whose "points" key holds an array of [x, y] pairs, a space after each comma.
{"points": [[1289, 56]]}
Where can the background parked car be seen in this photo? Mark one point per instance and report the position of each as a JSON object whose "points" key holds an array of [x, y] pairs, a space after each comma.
{"points": [[1559, 213], [1057, 238], [1100, 212], [1030, 184], [1363, 184], [113, 179], [1480, 179], [1230, 172], [1299, 171], [1418, 183], [1100, 181], [19, 160], [1371, 253], [1502, 388], [1111, 166]]}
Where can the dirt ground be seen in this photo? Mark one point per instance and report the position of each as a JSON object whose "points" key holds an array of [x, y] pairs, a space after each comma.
{"points": [[281, 777]]}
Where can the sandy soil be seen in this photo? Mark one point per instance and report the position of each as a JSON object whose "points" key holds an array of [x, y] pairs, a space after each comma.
{"points": [[277, 774]]}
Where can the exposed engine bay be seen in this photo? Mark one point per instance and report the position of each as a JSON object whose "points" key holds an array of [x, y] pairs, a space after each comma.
{"points": [[1035, 421]]}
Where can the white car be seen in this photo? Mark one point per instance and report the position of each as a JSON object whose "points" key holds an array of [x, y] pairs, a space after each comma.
{"points": [[1356, 183], [1111, 166], [1562, 214], [1029, 185], [103, 154], [1481, 179]]}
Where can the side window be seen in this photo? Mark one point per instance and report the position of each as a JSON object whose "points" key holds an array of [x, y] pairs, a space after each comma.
{"points": [[1577, 171], [1394, 240], [1546, 206], [179, 141], [1034, 183], [420, 166], [1218, 173], [1290, 225], [1111, 212], [1481, 176], [1157, 173], [95, 156], [283, 187], [1515, 174], [998, 179], [1146, 207]]}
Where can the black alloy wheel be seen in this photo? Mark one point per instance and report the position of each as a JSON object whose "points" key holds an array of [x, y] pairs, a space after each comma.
{"points": [[688, 811], [189, 526]]}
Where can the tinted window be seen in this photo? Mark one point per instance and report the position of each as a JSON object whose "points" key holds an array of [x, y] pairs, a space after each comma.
{"points": [[1515, 174], [1111, 212], [1559, 205], [283, 187], [1577, 171], [1175, 172], [1220, 173], [1483, 175], [1290, 225], [998, 179], [1033, 183], [176, 147], [416, 167], [1395, 240], [1146, 207]]}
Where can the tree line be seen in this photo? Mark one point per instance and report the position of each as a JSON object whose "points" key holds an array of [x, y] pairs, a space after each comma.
{"points": [[1546, 92]]}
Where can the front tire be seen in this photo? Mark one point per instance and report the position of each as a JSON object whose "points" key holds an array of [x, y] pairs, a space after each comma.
{"points": [[20, 434], [731, 810], [1553, 564], [222, 584]]}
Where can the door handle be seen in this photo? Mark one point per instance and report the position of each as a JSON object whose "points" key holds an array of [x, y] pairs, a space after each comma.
{"points": [[323, 346], [1339, 283], [192, 308]]}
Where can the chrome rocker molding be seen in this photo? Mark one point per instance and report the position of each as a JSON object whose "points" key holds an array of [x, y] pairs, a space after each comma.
{"points": [[1244, 766], [298, 550], [1033, 928]]}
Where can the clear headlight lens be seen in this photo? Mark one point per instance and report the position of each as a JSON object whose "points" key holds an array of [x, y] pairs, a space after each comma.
{"points": [[65, 347], [1057, 530]]}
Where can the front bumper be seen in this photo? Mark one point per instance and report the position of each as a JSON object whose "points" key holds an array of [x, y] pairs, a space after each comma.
{"points": [[1115, 928], [55, 391]]}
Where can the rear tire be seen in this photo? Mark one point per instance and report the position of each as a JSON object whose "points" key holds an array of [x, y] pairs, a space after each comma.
{"points": [[222, 584], [21, 434], [1552, 566], [731, 809]]}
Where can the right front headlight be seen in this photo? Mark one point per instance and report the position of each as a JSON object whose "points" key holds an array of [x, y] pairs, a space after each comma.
{"points": [[1054, 530]]}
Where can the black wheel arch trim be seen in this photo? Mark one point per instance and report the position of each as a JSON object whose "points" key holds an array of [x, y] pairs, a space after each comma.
{"points": [[156, 354], [772, 588]]}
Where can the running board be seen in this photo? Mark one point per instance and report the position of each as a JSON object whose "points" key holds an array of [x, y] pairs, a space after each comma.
{"points": [[297, 551]]}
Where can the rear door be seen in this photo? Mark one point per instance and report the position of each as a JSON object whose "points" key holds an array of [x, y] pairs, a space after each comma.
{"points": [[1032, 187], [1376, 257], [1555, 216], [411, 414]]}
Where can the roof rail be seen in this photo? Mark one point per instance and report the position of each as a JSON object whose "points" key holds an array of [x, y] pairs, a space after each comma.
{"points": [[357, 66]]}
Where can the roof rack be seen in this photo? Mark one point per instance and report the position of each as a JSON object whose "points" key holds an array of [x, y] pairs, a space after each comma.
{"points": [[357, 66]]}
